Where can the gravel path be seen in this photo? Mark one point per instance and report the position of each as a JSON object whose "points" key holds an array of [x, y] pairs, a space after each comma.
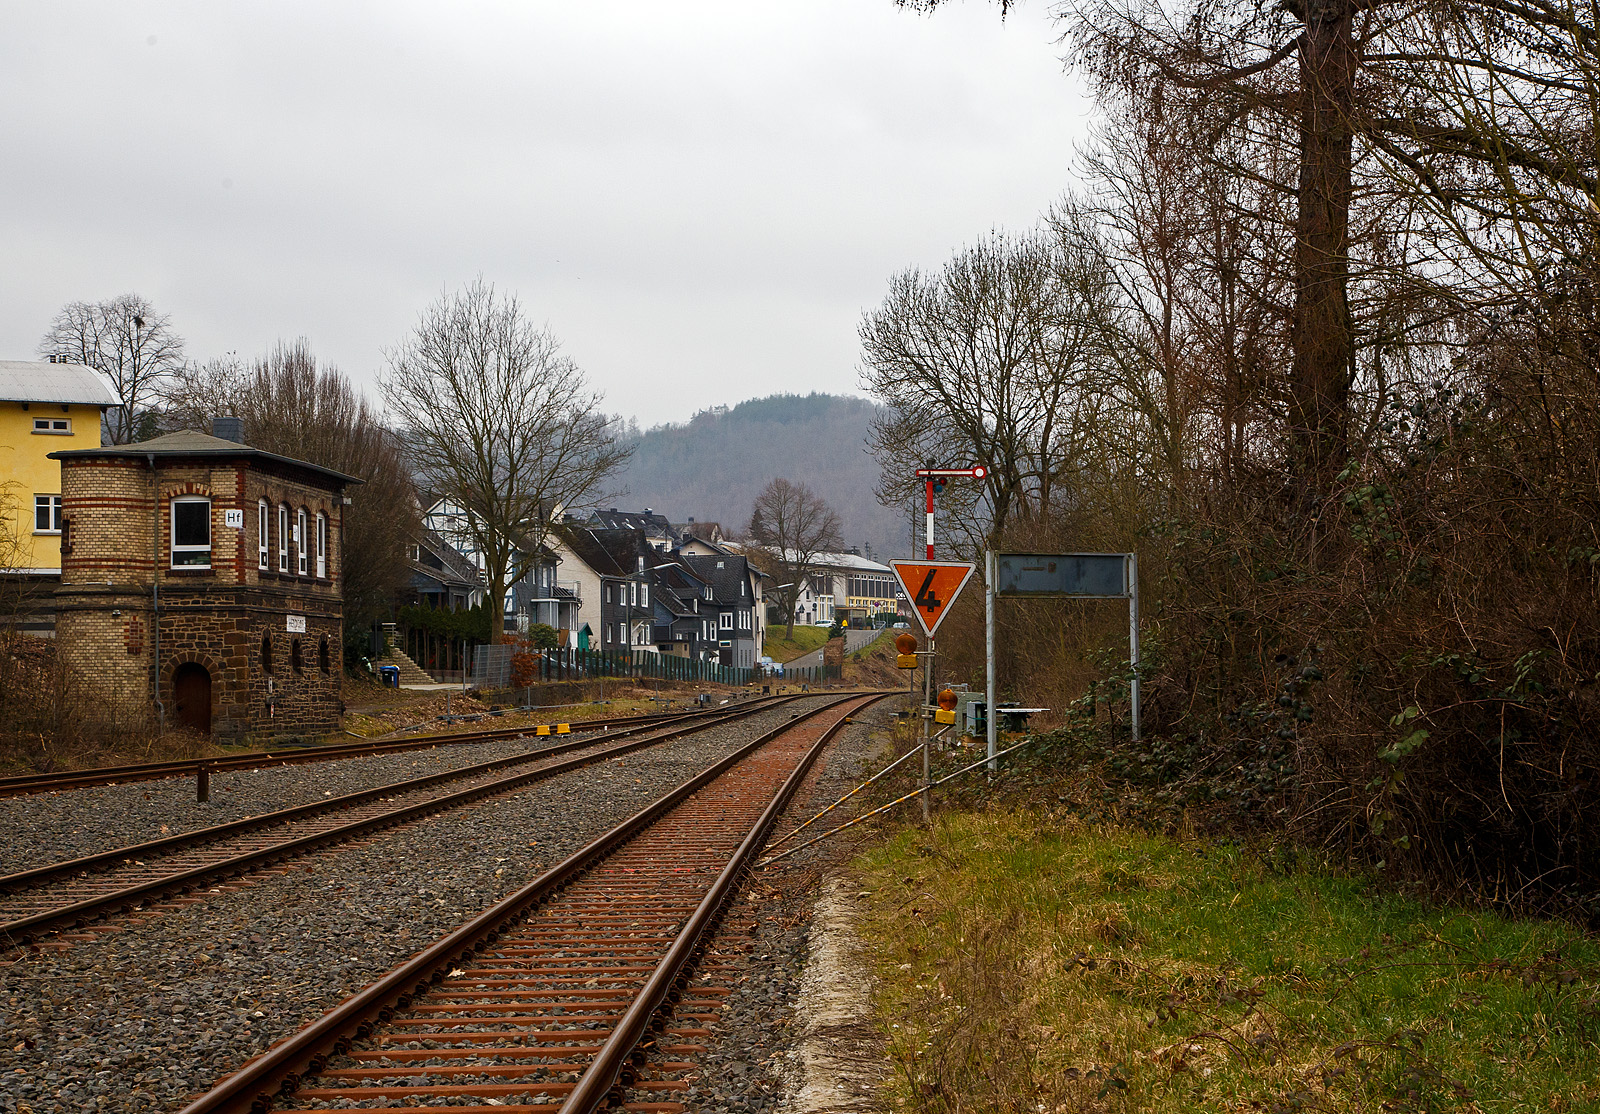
{"points": [[142, 1019], [54, 827]]}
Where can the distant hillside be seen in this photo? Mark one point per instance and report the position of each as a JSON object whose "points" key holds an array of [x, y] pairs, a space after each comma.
{"points": [[712, 467]]}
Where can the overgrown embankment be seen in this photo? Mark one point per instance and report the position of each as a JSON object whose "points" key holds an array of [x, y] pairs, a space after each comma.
{"points": [[1030, 960]]}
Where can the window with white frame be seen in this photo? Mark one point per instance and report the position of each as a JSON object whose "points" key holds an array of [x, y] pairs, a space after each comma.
{"points": [[58, 426], [608, 593], [47, 514], [283, 538], [302, 543], [263, 517], [633, 593], [191, 532], [322, 546], [726, 620], [644, 595]]}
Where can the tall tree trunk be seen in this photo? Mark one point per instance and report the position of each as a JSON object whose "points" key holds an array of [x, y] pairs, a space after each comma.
{"points": [[1319, 390]]}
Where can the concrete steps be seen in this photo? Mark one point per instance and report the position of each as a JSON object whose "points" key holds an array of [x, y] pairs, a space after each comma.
{"points": [[410, 672]]}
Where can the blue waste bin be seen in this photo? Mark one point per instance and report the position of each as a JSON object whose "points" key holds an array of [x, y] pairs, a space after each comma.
{"points": [[389, 676]]}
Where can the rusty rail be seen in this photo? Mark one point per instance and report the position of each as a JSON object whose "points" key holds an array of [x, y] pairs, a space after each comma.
{"points": [[283, 1067]]}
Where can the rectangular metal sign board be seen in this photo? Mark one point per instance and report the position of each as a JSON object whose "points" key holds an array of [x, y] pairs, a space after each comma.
{"points": [[1081, 575]]}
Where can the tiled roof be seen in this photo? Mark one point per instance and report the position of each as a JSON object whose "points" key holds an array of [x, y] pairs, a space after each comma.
{"points": [[187, 442]]}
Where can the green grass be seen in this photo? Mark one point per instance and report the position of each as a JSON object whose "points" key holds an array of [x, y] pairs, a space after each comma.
{"points": [[806, 639], [1035, 963]]}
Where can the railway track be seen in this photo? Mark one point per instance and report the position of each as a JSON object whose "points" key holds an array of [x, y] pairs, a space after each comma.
{"points": [[23, 784], [71, 895], [587, 987]]}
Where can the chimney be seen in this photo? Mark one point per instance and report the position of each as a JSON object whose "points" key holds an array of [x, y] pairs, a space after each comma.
{"points": [[229, 429]]}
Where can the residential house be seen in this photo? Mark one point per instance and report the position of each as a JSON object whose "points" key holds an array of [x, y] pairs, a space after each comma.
{"points": [[538, 594], [657, 531], [682, 628], [441, 575], [45, 406], [611, 570], [731, 593]]}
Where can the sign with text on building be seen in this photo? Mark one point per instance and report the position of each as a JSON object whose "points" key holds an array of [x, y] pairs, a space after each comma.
{"points": [[234, 517], [297, 624], [932, 586]]}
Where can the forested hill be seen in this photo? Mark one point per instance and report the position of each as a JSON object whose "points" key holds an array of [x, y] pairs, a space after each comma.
{"points": [[713, 466]]}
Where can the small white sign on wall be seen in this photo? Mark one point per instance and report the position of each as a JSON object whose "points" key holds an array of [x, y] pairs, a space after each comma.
{"points": [[234, 518], [297, 624]]}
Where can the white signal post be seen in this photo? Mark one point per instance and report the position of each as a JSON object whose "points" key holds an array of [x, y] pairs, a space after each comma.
{"points": [[931, 476]]}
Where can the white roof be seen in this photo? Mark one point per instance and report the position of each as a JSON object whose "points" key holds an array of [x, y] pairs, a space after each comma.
{"points": [[42, 381], [849, 561]]}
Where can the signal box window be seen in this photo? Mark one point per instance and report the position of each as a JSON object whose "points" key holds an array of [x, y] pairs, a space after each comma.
{"points": [[58, 426], [191, 533]]}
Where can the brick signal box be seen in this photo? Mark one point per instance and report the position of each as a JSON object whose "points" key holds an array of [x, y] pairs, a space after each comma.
{"points": [[201, 585]]}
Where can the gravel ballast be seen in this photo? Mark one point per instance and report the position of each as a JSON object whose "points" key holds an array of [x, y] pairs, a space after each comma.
{"points": [[54, 827], [144, 1018]]}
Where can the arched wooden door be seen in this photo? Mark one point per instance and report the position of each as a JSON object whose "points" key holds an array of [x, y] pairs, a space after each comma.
{"points": [[191, 685]]}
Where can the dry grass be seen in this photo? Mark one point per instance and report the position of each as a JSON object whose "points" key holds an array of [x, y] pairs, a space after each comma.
{"points": [[49, 723], [1034, 963]]}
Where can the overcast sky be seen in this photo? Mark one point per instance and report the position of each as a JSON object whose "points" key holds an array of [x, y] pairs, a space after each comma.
{"points": [[698, 198]]}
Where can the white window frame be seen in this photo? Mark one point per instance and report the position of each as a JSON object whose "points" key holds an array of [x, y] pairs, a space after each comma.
{"points": [[725, 621], [52, 513], [644, 595], [176, 549], [302, 551], [322, 546], [263, 538], [283, 537], [53, 427]]}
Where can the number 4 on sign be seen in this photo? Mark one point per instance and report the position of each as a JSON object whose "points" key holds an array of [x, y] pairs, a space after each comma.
{"points": [[932, 586]]}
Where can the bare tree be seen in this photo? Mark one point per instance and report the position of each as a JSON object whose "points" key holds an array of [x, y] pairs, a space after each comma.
{"points": [[792, 525], [501, 423], [125, 340], [292, 406], [988, 362]]}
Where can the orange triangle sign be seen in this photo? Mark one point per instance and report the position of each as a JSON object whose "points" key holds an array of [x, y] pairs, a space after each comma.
{"points": [[932, 586]]}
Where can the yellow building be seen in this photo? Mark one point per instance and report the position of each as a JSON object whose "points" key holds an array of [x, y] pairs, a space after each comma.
{"points": [[44, 407]]}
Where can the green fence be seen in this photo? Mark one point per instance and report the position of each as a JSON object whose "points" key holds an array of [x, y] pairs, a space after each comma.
{"points": [[491, 667]]}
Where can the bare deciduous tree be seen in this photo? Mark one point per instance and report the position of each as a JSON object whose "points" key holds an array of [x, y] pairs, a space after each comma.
{"points": [[793, 525], [987, 362], [125, 340], [501, 423]]}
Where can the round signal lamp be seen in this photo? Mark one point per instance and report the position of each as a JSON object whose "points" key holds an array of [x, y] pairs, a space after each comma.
{"points": [[905, 643], [947, 700]]}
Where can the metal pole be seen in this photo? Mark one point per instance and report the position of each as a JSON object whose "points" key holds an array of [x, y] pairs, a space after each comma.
{"points": [[927, 701], [1133, 639], [928, 488], [991, 721]]}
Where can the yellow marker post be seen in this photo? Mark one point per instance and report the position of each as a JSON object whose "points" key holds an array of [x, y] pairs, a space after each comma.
{"points": [[563, 729], [542, 729]]}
